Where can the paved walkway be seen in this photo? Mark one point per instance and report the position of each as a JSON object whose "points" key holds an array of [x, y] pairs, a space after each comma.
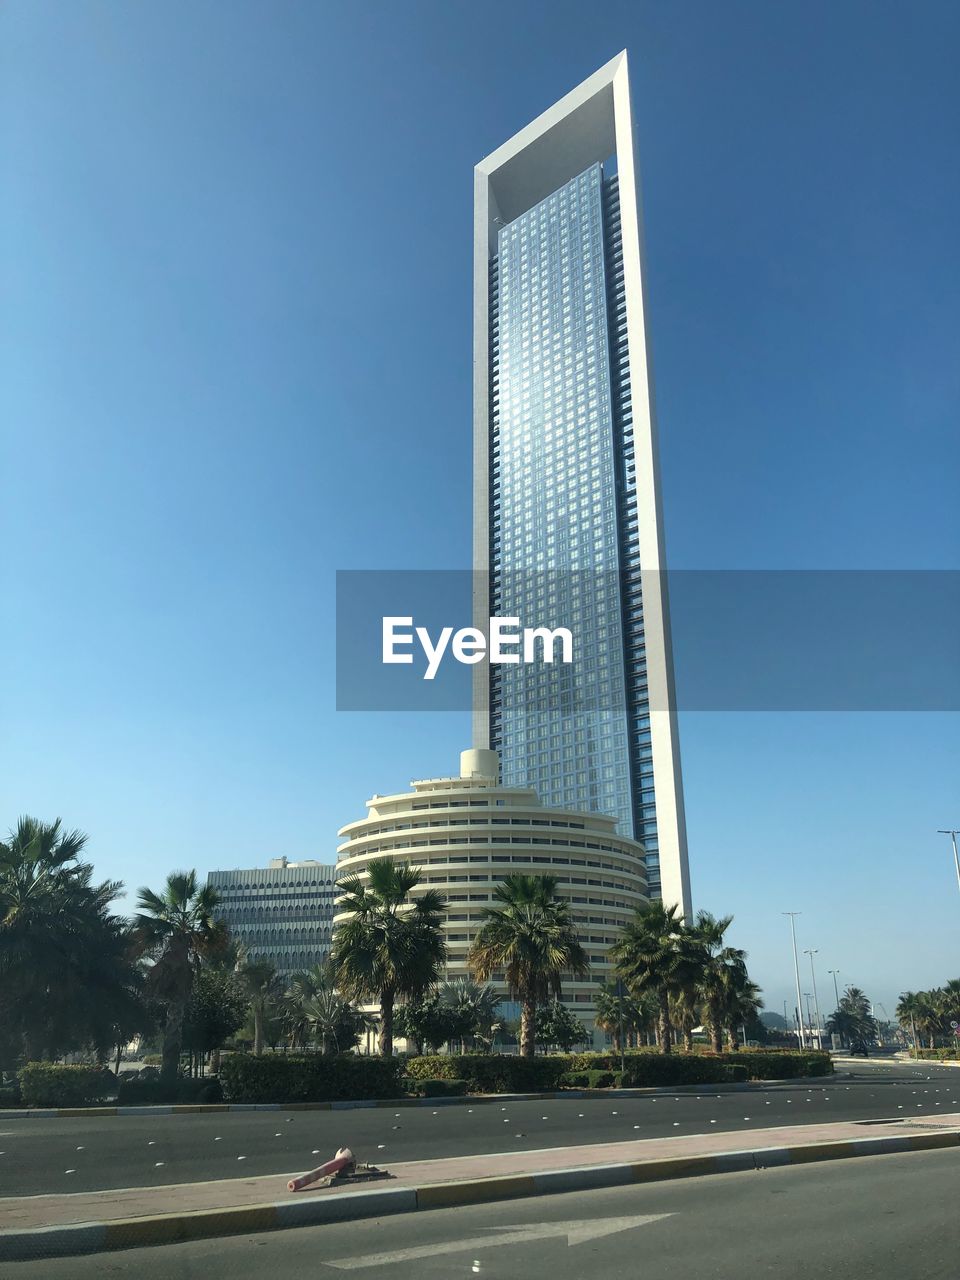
{"points": [[26, 1212]]}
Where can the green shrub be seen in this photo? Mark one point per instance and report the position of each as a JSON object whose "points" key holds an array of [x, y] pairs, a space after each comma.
{"points": [[49, 1084], [594, 1079], [152, 1093], [492, 1073], [575, 1080], [649, 1070], [309, 1077], [734, 1072], [434, 1088], [10, 1094], [781, 1064], [938, 1055]]}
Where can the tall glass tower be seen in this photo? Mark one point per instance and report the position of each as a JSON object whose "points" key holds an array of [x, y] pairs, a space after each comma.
{"points": [[567, 527]]}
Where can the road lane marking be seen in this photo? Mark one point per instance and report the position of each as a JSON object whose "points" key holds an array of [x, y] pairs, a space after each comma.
{"points": [[576, 1232]]}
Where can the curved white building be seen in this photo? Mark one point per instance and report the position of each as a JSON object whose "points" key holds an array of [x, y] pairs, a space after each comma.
{"points": [[467, 833]]}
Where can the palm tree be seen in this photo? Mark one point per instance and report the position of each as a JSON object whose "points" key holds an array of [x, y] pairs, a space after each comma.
{"points": [[333, 1020], [301, 988], [925, 1011], [742, 1004], [176, 929], [66, 976], [263, 989], [391, 945], [951, 994], [724, 970], [532, 938], [475, 1007], [617, 1008], [908, 1007], [852, 1020], [649, 959]]}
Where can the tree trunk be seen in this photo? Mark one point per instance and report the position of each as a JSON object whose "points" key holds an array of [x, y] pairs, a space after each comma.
{"points": [[716, 1030], [215, 1062], [116, 1069], [688, 1039], [528, 1029], [258, 1030], [663, 1022], [172, 1040], [386, 1024]]}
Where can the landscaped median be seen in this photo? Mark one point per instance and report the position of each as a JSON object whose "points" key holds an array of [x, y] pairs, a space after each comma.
{"points": [[278, 1079]]}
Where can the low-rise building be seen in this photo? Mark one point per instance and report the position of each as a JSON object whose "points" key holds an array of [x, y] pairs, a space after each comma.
{"points": [[467, 833], [282, 913]]}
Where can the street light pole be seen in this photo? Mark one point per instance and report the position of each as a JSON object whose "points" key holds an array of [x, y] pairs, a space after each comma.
{"points": [[836, 990], [796, 970], [952, 833], [816, 1000], [806, 996]]}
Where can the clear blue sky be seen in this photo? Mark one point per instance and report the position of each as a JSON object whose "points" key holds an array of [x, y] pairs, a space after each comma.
{"points": [[236, 357]]}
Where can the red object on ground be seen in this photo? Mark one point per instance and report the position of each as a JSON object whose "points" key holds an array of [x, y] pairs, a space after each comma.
{"points": [[341, 1160]]}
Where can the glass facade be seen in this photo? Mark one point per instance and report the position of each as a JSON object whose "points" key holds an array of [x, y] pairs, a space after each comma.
{"points": [[563, 510]]}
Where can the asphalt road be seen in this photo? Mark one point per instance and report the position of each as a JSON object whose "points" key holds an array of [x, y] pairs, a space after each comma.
{"points": [[77, 1154], [879, 1218]]}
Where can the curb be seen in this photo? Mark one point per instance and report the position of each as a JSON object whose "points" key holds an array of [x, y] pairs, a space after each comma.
{"points": [[467, 1099], [131, 1233]]}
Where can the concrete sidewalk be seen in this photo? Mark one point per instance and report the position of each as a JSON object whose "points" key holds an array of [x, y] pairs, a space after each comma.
{"points": [[44, 1225]]}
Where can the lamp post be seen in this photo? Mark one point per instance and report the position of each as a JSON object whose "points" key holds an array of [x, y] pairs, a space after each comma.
{"points": [[796, 969], [836, 990], [806, 996], [816, 1001], [952, 833]]}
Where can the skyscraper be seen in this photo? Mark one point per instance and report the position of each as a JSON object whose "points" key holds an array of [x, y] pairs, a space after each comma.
{"points": [[567, 522]]}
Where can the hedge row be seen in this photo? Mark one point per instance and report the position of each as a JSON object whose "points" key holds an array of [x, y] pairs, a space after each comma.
{"points": [[938, 1055], [151, 1093], [758, 1064], [430, 1088], [309, 1078], [49, 1084], [282, 1078], [491, 1073]]}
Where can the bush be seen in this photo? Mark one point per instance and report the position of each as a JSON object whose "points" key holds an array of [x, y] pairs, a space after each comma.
{"points": [[436, 1088], [781, 1064], [492, 1073], [648, 1070], [595, 1079], [575, 1080], [937, 1055], [734, 1072], [310, 1077], [153, 1093], [10, 1094], [49, 1084]]}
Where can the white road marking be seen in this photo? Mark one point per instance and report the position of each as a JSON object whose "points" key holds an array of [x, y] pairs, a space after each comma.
{"points": [[576, 1232]]}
